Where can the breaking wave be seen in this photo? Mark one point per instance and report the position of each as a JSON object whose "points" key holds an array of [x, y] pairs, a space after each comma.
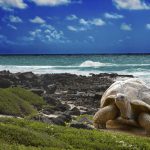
{"points": [[90, 63]]}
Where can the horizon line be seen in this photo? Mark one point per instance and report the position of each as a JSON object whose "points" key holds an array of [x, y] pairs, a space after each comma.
{"points": [[27, 54]]}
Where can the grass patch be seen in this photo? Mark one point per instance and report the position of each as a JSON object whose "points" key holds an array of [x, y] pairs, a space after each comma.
{"points": [[85, 116], [23, 134], [19, 102]]}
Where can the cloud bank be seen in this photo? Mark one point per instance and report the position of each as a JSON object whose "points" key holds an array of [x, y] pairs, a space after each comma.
{"points": [[9, 4], [131, 4]]}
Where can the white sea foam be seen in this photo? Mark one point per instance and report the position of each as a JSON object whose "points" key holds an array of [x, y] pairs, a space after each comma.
{"points": [[90, 63], [81, 69]]}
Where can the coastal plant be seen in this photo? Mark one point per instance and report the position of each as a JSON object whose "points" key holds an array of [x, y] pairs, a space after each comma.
{"points": [[23, 134], [19, 102]]}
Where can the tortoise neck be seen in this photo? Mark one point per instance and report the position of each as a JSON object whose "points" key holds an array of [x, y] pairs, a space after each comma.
{"points": [[125, 110]]}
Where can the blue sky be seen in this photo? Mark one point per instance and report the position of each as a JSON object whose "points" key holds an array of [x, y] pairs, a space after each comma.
{"points": [[74, 26]]}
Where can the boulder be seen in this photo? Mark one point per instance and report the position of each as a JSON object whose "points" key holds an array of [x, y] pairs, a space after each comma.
{"points": [[27, 76], [51, 89], [98, 95], [42, 118], [80, 126], [75, 111], [5, 83], [50, 100], [65, 117], [62, 119], [62, 107], [39, 92]]}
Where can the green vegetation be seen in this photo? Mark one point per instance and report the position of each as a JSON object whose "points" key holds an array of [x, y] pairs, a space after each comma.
{"points": [[85, 116], [23, 134], [19, 102]]}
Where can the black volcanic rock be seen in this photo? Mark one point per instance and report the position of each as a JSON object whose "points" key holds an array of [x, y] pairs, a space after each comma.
{"points": [[5, 83], [50, 89], [27, 76], [74, 111], [50, 100], [62, 107], [79, 90], [80, 126], [39, 92]]}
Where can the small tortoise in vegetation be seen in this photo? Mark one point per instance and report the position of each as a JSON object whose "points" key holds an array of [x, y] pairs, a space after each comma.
{"points": [[124, 104]]}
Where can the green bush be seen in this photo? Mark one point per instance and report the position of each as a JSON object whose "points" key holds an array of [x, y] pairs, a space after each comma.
{"points": [[28, 96], [19, 102]]}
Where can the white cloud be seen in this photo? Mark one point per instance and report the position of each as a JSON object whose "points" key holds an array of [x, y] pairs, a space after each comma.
{"points": [[95, 21], [113, 16], [37, 20], [71, 28], [91, 38], [126, 27], [83, 21], [131, 4], [12, 26], [86, 24], [51, 2], [76, 29], [46, 33], [9, 4], [148, 26], [72, 17], [15, 19]]}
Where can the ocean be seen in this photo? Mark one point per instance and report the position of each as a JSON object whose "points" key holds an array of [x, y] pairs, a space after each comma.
{"points": [[137, 65]]}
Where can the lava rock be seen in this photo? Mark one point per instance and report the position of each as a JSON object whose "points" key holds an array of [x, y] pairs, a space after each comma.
{"points": [[39, 92], [5, 83], [80, 126], [65, 117], [51, 89], [62, 107], [58, 121], [42, 118], [50, 100], [98, 95], [27, 75], [75, 111]]}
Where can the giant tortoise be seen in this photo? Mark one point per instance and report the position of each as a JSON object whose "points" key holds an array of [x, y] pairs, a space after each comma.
{"points": [[124, 104]]}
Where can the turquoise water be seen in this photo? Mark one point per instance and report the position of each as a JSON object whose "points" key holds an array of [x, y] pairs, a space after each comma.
{"points": [[137, 65]]}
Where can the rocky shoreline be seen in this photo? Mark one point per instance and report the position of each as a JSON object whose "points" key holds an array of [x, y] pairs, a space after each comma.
{"points": [[68, 95]]}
